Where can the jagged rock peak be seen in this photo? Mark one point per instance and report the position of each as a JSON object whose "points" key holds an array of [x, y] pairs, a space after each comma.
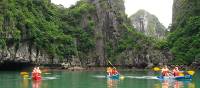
{"points": [[148, 24]]}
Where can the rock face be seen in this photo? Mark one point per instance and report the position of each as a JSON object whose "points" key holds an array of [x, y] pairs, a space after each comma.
{"points": [[16, 45], [148, 24], [107, 16], [107, 19], [182, 10], [26, 53], [185, 31], [110, 33], [115, 39]]}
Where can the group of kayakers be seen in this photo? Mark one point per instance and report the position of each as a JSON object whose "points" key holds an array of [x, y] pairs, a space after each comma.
{"points": [[112, 71], [166, 72]]}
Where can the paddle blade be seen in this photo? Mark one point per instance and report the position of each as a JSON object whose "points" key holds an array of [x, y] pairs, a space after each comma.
{"points": [[24, 73], [191, 72], [156, 69], [122, 77], [25, 76]]}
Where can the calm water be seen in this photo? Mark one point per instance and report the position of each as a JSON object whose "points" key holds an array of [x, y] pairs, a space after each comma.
{"points": [[65, 79]]}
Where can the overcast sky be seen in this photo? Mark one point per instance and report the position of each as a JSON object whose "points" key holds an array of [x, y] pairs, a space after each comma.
{"points": [[160, 8]]}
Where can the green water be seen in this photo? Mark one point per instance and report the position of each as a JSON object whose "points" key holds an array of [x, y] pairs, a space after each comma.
{"points": [[66, 79]]}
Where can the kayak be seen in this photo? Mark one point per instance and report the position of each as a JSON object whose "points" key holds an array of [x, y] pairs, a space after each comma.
{"points": [[113, 77], [36, 76], [186, 77]]}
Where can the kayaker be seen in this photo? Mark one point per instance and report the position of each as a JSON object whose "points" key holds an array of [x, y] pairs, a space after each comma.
{"points": [[109, 71], [34, 70], [36, 73], [38, 70], [114, 71], [165, 71], [176, 71]]}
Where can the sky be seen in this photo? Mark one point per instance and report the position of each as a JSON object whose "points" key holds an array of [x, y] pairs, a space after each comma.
{"points": [[160, 8]]}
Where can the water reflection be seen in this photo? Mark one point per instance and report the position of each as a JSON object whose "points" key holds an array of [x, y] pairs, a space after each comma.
{"points": [[191, 85], [178, 84], [25, 83], [112, 83], [36, 83], [175, 84], [165, 84]]}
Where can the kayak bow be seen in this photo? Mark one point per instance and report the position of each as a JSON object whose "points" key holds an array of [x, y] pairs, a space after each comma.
{"points": [[114, 77]]}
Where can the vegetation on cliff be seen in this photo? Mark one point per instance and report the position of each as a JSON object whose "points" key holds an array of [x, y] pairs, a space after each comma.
{"points": [[184, 38], [52, 29], [84, 31], [185, 42]]}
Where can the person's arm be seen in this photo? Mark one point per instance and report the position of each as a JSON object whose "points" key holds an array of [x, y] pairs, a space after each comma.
{"points": [[161, 70]]}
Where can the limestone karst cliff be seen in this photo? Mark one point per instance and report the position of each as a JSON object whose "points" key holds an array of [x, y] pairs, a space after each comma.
{"points": [[86, 34], [182, 10], [148, 24], [184, 35]]}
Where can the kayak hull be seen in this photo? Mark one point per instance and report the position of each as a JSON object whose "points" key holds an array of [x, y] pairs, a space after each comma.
{"points": [[186, 77], [114, 77]]}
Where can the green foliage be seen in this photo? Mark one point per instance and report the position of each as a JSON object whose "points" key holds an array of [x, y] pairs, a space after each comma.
{"points": [[2, 43], [162, 45], [48, 27], [185, 41], [65, 32], [130, 40], [71, 25]]}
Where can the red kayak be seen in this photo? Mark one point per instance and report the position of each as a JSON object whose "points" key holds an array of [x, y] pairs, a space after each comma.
{"points": [[36, 76]]}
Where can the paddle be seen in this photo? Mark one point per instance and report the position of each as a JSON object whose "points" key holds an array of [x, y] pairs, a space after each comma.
{"points": [[121, 77], [191, 72], [24, 74], [156, 69]]}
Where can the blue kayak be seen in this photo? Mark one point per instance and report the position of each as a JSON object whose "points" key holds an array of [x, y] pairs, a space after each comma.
{"points": [[186, 77], [114, 77]]}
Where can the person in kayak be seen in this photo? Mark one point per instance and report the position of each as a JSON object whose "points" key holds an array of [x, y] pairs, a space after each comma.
{"points": [[114, 71], [36, 70], [36, 73], [109, 71], [176, 71], [165, 71]]}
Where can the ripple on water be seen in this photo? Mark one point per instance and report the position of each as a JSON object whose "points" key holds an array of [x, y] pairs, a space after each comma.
{"points": [[142, 77], [49, 78], [99, 76], [45, 78], [132, 77]]}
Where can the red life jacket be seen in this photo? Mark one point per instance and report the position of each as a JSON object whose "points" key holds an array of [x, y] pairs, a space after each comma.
{"points": [[175, 72], [165, 72], [114, 72]]}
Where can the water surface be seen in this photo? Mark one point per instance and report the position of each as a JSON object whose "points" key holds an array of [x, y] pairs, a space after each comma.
{"points": [[67, 79]]}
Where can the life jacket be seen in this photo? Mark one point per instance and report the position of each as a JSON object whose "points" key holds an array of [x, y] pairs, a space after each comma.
{"points": [[165, 72], [114, 72], [175, 72]]}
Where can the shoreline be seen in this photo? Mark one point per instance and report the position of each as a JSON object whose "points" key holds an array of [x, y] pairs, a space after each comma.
{"points": [[27, 65]]}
